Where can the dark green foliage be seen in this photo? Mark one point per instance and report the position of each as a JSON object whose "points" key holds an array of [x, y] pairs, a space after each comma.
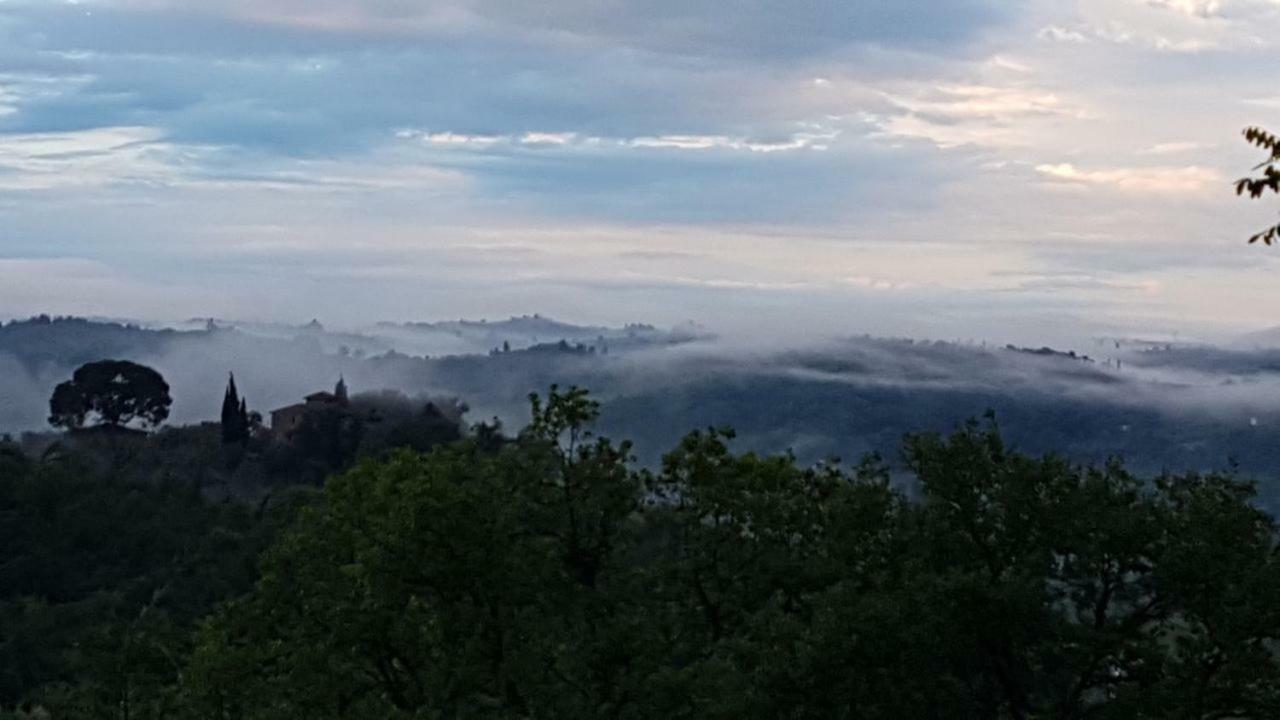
{"points": [[1269, 179], [542, 576], [549, 579], [236, 423], [328, 440], [102, 581], [423, 433], [117, 392], [392, 420]]}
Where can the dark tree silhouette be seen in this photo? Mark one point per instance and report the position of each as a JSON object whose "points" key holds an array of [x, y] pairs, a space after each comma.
{"points": [[235, 415], [116, 392], [1268, 180]]}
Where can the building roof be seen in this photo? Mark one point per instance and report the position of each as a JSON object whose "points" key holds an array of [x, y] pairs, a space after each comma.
{"points": [[289, 408]]}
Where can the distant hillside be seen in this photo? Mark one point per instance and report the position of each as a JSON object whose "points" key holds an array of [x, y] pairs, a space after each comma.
{"points": [[1268, 338], [525, 325], [68, 341], [530, 330], [278, 364], [1159, 406]]}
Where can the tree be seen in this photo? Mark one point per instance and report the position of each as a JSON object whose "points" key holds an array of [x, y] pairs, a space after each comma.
{"points": [[116, 392], [1269, 179], [235, 416]]}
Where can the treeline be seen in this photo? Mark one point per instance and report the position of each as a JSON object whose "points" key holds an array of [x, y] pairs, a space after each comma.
{"points": [[543, 576], [238, 456], [71, 341]]}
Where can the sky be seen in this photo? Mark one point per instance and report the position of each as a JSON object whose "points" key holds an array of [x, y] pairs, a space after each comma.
{"points": [[947, 167]]}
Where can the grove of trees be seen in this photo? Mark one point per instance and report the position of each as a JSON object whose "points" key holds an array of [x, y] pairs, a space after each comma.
{"points": [[545, 576]]}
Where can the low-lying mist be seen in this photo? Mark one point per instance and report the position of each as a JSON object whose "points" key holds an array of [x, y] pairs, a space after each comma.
{"points": [[1159, 405]]}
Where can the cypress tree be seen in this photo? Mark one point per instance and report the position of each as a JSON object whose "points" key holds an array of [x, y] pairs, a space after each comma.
{"points": [[234, 427], [245, 425]]}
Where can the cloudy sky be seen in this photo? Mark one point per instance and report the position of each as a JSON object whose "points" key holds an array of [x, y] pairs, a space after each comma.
{"points": [[954, 166]]}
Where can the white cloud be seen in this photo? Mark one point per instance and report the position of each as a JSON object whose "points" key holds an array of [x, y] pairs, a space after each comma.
{"points": [[723, 142], [1188, 45], [1175, 148], [1061, 34], [1173, 26], [145, 157], [547, 138], [101, 156], [1190, 179], [980, 101], [876, 283], [1194, 8], [1122, 33], [1004, 62], [977, 114], [796, 141], [461, 139]]}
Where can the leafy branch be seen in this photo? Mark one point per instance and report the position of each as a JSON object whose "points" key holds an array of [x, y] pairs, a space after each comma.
{"points": [[1269, 180]]}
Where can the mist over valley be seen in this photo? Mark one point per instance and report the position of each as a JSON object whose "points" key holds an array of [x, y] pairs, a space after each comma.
{"points": [[1159, 405]]}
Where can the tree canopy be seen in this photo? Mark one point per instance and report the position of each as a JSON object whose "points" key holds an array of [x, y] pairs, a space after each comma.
{"points": [[547, 576], [116, 392], [550, 579]]}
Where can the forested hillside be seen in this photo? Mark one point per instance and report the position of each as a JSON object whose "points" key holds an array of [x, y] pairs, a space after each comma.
{"points": [[1160, 406], [545, 575]]}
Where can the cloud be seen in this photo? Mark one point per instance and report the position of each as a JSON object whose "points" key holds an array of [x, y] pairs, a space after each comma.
{"points": [[1175, 148], [1087, 282], [452, 139], [1194, 8], [689, 27], [142, 157], [1121, 34], [1167, 26], [1061, 34], [977, 114], [208, 149], [534, 139], [101, 156], [652, 111], [330, 76], [1190, 179]]}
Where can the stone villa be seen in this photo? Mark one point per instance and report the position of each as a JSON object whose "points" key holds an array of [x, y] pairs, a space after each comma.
{"points": [[285, 420]]}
